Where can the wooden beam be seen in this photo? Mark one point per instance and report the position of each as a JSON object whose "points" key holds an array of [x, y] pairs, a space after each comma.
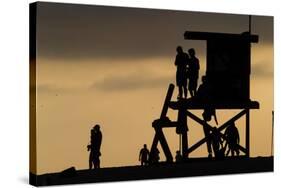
{"points": [[164, 145], [163, 122], [236, 117], [167, 101], [191, 104], [248, 133], [195, 35], [198, 120], [195, 146], [202, 141], [222, 127], [184, 144]]}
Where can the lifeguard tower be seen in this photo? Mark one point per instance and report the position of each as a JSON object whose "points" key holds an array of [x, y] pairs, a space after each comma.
{"points": [[228, 73]]}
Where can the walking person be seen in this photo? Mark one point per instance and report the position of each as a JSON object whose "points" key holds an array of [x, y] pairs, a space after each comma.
{"points": [[143, 156]]}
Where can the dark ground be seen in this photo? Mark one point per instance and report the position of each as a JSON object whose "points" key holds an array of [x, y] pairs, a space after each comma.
{"points": [[193, 167]]}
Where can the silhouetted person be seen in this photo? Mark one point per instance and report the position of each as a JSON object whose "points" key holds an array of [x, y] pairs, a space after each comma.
{"points": [[208, 113], [143, 156], [207, 116], [181, 75], [232, 139], [154, 156], [208, 141], [204, 91], [193, 72], [178, 157], [203, 96], [96, 139], [217, 142]]}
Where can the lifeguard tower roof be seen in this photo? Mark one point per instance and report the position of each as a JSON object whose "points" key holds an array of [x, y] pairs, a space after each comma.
{"points": [[195, 35]]}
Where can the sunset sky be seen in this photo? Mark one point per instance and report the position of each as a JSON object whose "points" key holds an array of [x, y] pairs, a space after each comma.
{"points": [[112, 66]]}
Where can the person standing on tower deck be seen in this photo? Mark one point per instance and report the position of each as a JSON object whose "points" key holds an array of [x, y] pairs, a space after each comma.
{"points": [[193, 72], [181, 76], [96, 139]]}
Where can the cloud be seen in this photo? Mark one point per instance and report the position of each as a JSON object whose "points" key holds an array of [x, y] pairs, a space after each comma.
{"points": [[131, 82], [57, 89], [46, 88], [66, 31], [114, 83]]}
